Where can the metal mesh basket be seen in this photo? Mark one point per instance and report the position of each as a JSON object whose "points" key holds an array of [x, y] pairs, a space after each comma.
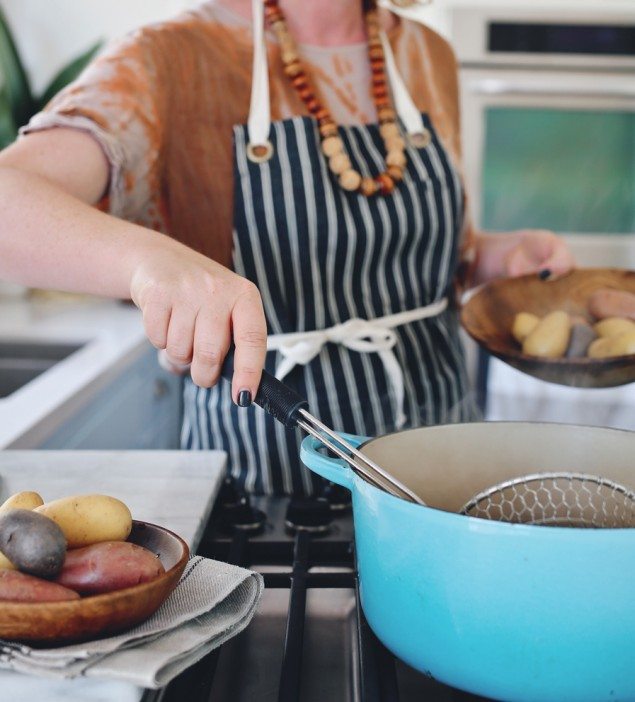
{"points": [[556, 499]]}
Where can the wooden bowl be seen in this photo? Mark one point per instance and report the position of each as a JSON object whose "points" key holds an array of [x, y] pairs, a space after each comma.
{"points": [[55, 623], [488, 316]]}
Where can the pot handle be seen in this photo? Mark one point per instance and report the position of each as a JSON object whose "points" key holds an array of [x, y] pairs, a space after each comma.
{"points": [[334, 469]]}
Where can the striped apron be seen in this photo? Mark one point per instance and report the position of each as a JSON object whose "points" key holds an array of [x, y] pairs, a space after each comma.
{"points": [[321, 257]]}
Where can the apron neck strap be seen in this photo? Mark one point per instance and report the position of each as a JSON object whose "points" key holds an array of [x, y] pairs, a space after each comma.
{"points": [[259, 122]]}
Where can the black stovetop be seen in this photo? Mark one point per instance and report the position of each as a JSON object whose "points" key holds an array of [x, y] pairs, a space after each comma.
{"points": [[309, 640]]}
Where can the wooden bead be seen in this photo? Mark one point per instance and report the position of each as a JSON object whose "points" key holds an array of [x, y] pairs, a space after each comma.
{"points": [[382, 103], [300, 81], [395, 172], [386, 115], [377, 66], [390, 129], [394, 143], [339, 163], [396, 158], [289, 55], [376, 52], [328, 129], [350, 180], [369, 186], [379, 91], [332, 146], [379, 79], [293, 69], [273, 14], [313, 105], [306, 94], [386, 183]]}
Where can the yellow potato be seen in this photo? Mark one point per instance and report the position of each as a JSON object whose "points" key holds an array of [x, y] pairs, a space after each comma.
{"points": [[89, 519], [550, 337], [609, 346], [612, 326], [22, 500], [5, 563], [524, 324]]}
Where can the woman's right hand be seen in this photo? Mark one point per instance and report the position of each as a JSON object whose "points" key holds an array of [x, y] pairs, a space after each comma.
{"points": [[193, 308]]}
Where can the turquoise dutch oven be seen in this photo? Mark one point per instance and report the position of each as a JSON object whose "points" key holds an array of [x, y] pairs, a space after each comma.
{"points": [[513, 612], [508, 611]]}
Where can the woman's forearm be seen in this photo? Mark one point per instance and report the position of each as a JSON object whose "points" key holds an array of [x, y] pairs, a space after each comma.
{"points": [[51, 239]]}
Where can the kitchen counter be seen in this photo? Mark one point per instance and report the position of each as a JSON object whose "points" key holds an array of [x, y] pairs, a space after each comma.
{"points": [[112, 336], [172, 488]]}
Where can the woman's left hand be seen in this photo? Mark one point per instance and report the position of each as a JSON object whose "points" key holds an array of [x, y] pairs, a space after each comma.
{"points": [[537, 250], [503, 255]]}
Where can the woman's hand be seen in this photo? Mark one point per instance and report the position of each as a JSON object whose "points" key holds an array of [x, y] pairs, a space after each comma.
{"points": [[193, 307], [519, 253]]}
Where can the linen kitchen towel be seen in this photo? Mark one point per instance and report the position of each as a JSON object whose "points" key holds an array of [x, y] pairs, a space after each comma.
{"points": [[212, 602]]}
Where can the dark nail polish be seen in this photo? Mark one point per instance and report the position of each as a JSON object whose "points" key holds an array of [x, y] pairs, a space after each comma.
{"points": [[544, 274], [244, 398]]}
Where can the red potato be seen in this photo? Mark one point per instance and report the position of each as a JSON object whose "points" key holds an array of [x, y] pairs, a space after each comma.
{"points": [[606, 302], [108, 566], [20, 587]]}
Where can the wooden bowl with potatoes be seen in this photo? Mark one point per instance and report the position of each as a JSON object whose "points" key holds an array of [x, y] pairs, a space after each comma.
{"points": [[577, 329], [81, 568]]}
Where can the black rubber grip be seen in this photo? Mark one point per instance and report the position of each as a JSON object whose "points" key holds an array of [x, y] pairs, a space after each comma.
{"points": [[276, 398]]}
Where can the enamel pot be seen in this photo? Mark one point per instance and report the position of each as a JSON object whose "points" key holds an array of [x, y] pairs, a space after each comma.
{"points": [[508, 611]]}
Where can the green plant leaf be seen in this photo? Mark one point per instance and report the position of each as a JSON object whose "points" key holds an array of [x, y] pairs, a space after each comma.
{"points": [[68, 74], [16, 81], [8, 131]]}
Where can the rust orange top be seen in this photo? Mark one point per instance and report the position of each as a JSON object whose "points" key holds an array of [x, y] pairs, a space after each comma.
{"points": [[162, 103]]}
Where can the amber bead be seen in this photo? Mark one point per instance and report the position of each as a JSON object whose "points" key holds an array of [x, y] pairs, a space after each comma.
{"points": [[323, 114], [395, 172], [306, 94], [300, 81], [377, 66], [369, 186], [376, 52], [382, 103], [273, 14], [379, 79], [386, 183], [270, 3], [379, 91], [350, 180], [313, 105], [332, 146]]}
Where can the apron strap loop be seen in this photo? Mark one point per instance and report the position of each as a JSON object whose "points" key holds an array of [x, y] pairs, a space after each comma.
{"points": [[259, 122]]}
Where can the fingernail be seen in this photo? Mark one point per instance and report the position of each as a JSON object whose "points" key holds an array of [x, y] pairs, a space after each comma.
{"points": [[544, 274], [244, 398]]}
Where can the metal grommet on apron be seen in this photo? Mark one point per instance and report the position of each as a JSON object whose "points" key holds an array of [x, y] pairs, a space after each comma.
{"points": [[354, 288], [259, 153]]}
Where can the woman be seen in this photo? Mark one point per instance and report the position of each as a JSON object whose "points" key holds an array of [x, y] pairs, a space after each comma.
{"points": [[316, 199]]}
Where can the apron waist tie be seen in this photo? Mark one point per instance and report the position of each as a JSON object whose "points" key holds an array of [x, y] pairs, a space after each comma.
{"points": [[362, 335]]}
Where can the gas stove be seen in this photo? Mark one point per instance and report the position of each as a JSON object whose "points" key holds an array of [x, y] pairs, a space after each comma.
{"points": [[309, 640]]}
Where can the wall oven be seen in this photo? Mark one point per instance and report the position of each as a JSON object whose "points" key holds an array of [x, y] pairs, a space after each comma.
{"points": [[548, 113]]}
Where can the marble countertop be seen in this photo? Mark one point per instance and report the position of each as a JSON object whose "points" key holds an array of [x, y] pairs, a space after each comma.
{"points": [[175, 489], [111, 333]]}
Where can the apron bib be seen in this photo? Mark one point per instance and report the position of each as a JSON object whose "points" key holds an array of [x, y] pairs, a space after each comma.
{"points": [[320, 257]]}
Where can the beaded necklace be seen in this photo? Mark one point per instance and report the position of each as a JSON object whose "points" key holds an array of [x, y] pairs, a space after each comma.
{"points": [[331, 144]]}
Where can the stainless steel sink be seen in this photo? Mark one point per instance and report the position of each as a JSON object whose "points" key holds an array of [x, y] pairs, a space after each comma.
{"points": [[21, 362]]}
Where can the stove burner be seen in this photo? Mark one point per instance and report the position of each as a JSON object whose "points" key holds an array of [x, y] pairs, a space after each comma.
{"points": [[243, 517], [338, 497], [313, 516]]}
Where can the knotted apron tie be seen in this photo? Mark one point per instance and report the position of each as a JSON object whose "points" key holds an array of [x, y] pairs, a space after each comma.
{"points": [[361, 335]]}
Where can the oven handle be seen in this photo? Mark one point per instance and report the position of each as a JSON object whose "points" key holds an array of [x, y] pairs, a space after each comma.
{"points": [[495, 86]]}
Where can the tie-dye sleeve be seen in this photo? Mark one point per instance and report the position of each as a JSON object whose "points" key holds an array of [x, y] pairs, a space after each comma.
{"points": [[120, 99]]}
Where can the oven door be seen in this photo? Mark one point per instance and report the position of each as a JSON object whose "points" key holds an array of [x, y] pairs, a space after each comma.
{"points": [[554, 150]]}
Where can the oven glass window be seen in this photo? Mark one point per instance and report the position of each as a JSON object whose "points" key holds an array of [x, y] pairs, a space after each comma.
{"points": [[564, 170]]}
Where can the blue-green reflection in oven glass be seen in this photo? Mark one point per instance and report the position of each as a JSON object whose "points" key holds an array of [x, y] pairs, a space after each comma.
{"points": [[565, 170]]}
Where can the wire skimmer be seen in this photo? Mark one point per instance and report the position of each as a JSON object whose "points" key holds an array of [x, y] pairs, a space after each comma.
{"points": [[556, 499]]}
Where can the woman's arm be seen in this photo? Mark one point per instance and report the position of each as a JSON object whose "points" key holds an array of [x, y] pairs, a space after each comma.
{"points": [[51, 236]]}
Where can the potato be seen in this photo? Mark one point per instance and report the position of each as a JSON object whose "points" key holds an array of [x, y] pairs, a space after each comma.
{"points": [[550, 337], [5, 563], [108, 566], [612, 326], [89, 519], [20, 587], [22, 500], [581, 337], [609, 346], [607, 302], [32, 542], [524, 324]]}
